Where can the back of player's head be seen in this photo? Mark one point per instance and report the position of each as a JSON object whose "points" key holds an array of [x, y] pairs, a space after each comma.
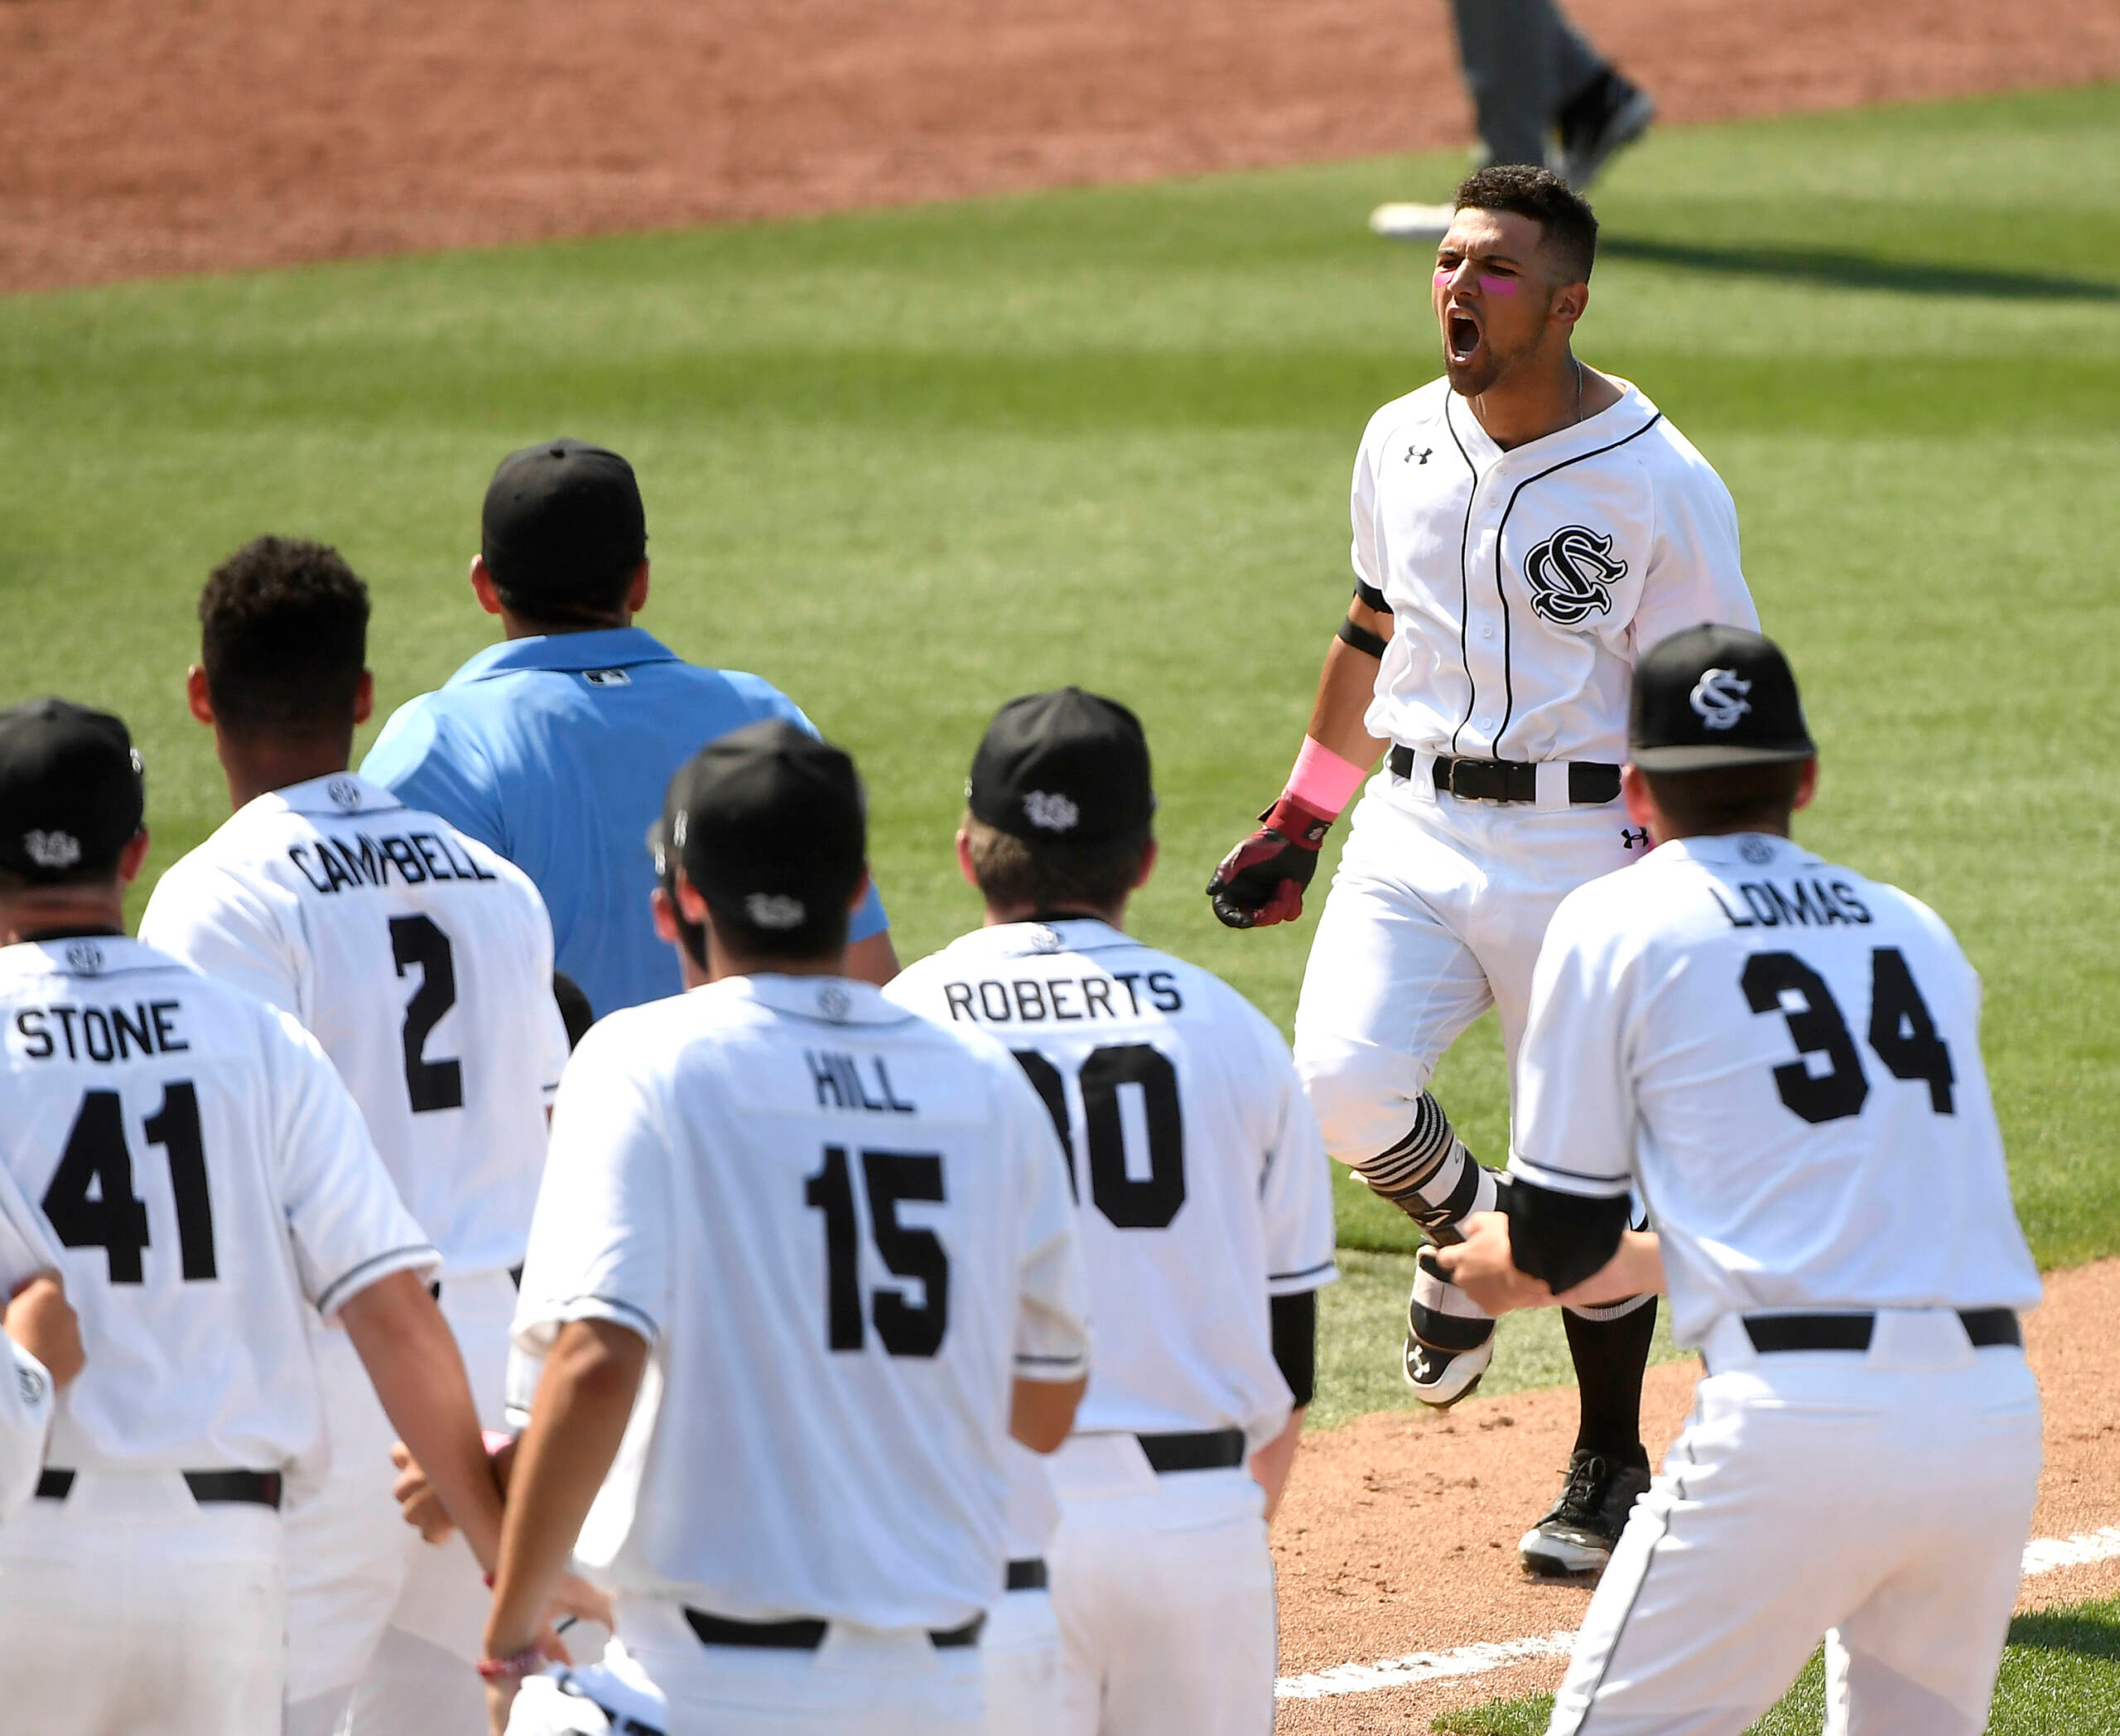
{"points": [[1061, 803], [283, 639], [72, 794], [1571, 230], [1715, 720], [563, 531], [771, 827]]}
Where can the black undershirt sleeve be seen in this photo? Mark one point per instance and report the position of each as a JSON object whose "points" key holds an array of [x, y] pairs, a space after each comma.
{"points": [[1295, 1341], [1372, 597], [1562, 1238]]}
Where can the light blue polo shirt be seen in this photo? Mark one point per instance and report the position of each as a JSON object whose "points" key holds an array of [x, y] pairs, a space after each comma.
{"points": [[557, 751]]}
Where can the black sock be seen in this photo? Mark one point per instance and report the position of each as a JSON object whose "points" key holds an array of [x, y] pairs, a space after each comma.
{"points": [[1610, 1357]]}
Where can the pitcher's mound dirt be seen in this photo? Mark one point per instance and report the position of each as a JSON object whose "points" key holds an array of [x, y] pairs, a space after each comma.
{"points": [[142, 138], [1398, 1533]]}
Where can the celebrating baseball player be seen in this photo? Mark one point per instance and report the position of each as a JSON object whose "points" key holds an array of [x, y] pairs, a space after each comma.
{"points": [[554, 748], [1522, 527], [1783, 1057], [827, 1247], [422, 963], [1206, 1221], [206, 1186]]}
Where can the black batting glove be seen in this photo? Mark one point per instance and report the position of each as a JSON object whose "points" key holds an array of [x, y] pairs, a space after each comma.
{"points": [[1261, 882]]}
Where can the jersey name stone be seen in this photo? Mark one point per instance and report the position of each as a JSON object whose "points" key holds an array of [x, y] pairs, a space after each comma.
{"points": [[1063, 1000], [335, 863], [100, 1034]]}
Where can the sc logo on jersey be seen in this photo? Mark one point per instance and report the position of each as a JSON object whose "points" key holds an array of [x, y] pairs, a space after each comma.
{"points": [[1571, 575]]}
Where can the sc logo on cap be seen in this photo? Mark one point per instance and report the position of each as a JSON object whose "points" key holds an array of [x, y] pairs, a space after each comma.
{"points": [[1719, 697]]}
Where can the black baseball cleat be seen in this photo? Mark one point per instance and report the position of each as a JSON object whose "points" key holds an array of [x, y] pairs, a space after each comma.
{"points": [[1575, 1540], [1601, 121]]}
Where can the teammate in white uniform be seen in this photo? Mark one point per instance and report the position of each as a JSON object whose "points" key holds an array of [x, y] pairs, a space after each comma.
{"points": [[422, 961], [206, 1186], [1522, 527], [827, 1247], [1783, 1058], [43, 1343], [1206, 1219]]}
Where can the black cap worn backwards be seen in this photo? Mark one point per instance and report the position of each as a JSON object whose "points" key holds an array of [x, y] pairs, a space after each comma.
{"points": [[561, 519], [71, 793], [1714, 696], [771, 827], [1062, 767]]}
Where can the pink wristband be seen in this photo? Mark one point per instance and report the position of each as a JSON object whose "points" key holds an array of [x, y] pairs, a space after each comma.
{"points": [[494, 1440], [1322, 780]]}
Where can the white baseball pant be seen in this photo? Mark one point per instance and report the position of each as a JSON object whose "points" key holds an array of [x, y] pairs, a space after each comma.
{"points": [[1164, 1587], [1436, 914], [862, 1682], [1879, 1499], [129, 1607], [377, 1620], [1021, 1644]]}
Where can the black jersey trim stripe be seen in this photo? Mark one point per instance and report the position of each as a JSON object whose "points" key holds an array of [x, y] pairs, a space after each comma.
{"points": [[563, 1312], [1322, 1266], [1464, 581], [1050, 1362], [1500, 531], [412, 1253], [1533, 1169]]}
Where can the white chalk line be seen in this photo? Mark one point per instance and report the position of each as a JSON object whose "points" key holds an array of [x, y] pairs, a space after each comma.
{"points": [[2042, 1554]]}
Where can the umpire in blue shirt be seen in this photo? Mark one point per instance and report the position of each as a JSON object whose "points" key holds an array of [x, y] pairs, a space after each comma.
{"points": [[555, 746]]}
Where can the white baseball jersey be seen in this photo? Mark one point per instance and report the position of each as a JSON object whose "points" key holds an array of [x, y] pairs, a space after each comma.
{"points": [[421, 960], [203, 1178], [1203, 1183], [1522, 584], [1785, 1058], [842, 1229]]}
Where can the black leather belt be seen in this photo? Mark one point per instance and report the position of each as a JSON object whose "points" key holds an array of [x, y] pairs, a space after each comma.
{"points": [[1027, 1575], [1589, 781], [804, 1633], [1218, 1450], [255, 1489], [1984, 1327]]}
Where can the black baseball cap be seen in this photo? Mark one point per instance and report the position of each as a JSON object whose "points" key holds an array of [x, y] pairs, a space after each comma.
{"points": [[1062, 767], [771, 825], [71, 792], [1714, 696], [563, 519]]}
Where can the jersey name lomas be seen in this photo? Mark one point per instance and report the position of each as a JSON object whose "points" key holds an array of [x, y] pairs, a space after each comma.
{"points": [[416, 856], [1063, 1000]]}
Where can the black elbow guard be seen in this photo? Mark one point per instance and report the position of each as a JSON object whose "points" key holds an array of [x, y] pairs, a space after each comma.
{"points": [[1295, 1341], [1562, 1238]]}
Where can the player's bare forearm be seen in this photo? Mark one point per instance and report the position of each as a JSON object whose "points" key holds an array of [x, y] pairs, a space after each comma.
{"points": [[1041, 1412], [1271, 1463], [1484, 1267], [1345, 688], [411, 1358], [872, 960], [576, 1421], [40, 1319]]}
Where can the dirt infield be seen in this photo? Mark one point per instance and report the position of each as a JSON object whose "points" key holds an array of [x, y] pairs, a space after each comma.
{"points": [[1398, 1533], [139, 138]]}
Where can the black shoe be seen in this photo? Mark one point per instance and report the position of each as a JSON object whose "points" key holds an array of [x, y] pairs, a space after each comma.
{"points": [[1608, 116], [1575, 1540]]}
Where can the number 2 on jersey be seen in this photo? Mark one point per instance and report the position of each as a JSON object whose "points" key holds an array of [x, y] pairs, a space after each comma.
{"points": [[1901, 1032], [116, 1221], [907, 1329], [415, 940]]}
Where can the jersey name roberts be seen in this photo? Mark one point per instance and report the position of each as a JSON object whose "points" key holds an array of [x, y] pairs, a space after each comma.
{"points": [[1523, 584], [1201, 1181], [1801, 1100], [421, 960]]}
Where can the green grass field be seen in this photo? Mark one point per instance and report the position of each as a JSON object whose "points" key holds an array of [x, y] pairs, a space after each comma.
{"points": [[908, 464], [2061, 1676]]}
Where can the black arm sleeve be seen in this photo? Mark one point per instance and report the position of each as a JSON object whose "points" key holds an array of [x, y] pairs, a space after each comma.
{"points": [[1561, 1238], [1370, 644], [1372, 597], [1295, 1341]]}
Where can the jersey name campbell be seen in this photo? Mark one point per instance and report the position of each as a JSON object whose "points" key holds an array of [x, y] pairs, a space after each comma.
{"points": [[1200, 1178], [199, 1176], [844, 1230], [421, 960], [1523, 584], [1785, 1058]]}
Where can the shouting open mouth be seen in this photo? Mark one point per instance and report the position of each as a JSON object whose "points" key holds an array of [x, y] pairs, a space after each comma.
{"points": [[1461, 335]]}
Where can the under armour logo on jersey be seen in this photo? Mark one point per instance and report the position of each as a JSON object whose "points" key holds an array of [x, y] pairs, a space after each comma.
{"points": [[607, 678], [51, 849], [1719, 697], [1423, 453], [346, 795], [775, 910], [1049, 811], [85, 958], [1571, 575], [1634, 837]]}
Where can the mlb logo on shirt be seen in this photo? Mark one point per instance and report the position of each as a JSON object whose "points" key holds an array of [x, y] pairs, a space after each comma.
{"points": [[607, 678]]}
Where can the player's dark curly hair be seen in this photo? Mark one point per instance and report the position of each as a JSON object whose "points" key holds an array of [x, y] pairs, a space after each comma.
{"points": [[283, 638], [1724, 798], [1050, 875], [1571, 230]]}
